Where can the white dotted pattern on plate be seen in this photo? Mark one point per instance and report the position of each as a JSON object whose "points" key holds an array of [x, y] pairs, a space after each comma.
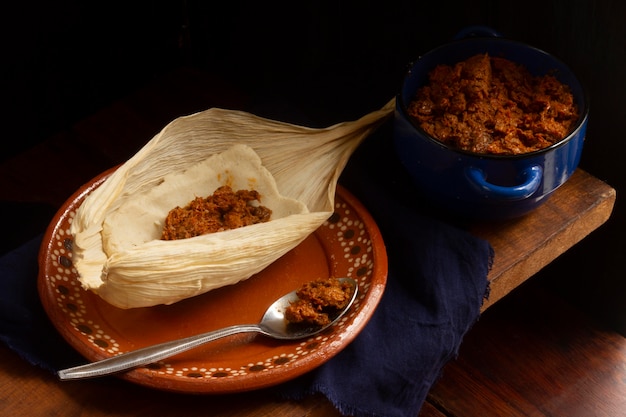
{"points": [[344, 227]]}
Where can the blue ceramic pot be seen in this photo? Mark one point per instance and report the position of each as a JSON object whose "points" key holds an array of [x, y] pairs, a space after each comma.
{"points": [[481, 186]]}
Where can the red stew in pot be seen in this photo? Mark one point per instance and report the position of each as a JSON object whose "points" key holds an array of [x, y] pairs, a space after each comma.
{"points": [[491, 105]]}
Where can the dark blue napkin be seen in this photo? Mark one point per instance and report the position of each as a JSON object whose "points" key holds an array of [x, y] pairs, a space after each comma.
{"points": [[24, 326], [436, 285], [437, 282]]}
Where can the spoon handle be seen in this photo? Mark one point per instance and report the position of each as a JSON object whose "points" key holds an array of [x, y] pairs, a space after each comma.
{"points": [[150, 354]]}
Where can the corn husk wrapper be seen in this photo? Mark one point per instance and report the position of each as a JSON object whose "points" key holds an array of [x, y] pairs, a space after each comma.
{"points": [[117, 251]]}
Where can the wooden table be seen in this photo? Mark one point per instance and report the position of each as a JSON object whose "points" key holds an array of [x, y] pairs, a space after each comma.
{"points": [[522, 247]]}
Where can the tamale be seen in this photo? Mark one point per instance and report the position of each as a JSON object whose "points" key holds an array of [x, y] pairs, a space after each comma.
{"points": [[117, 252]]}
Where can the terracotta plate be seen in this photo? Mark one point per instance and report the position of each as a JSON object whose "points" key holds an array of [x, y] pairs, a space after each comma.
{"points": [[348, 244]]}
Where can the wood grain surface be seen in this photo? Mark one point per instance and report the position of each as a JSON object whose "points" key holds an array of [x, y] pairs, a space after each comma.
{"points": [[526, 356]]}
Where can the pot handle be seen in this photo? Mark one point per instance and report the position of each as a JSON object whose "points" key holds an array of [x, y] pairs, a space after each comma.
{"points": [[531, 176], [477, 31]]}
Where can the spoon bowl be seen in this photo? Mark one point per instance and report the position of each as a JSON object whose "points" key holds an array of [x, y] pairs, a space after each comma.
{"points": [[273, 324]]}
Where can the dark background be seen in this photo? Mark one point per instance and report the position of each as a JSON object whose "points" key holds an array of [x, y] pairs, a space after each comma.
{"points": [[317, 63]]}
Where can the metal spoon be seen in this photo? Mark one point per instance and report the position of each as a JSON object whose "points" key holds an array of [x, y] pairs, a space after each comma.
{"points": [[273, 324]]}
